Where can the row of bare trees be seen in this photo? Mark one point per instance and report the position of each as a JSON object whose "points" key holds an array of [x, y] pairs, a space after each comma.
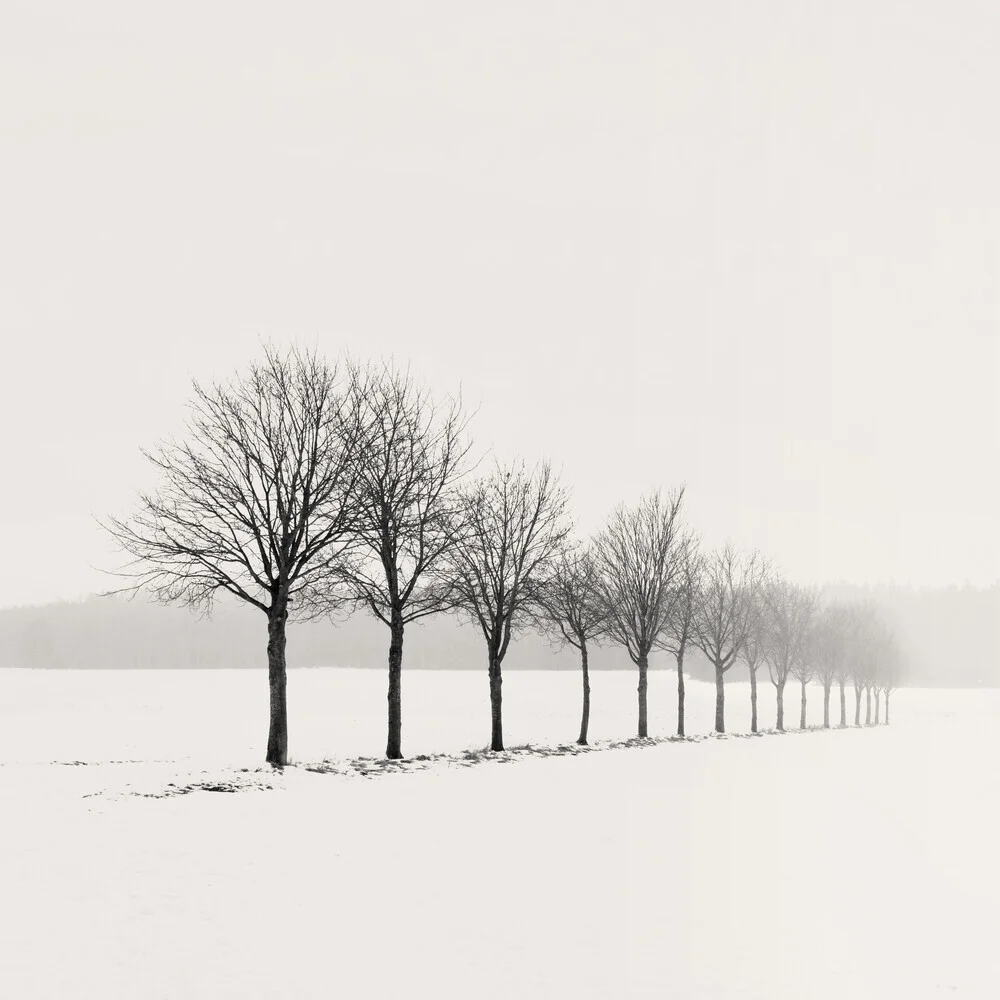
{"points": [[303, 487]]}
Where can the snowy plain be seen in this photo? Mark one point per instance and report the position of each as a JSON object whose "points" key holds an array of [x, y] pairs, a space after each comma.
{"points": [[856, 863]]}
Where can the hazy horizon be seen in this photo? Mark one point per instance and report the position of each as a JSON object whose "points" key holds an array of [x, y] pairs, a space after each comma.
{"points": [[751, 249]]}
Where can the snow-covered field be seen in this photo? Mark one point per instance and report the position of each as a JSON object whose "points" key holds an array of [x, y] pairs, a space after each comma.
{"points": [[862, 863]]}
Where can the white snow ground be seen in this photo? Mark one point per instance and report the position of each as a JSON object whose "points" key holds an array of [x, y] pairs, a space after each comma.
{"points": [[863, 863]]}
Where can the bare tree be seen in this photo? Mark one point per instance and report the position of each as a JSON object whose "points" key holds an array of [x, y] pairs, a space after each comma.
{"points": [[639, 557], [724, 614], [678, 634], [788, 616], [803, 670], [890, 676], [409, 469], [831, 638], [257, 502], [511, 525], [566, 605], [754, 646]]}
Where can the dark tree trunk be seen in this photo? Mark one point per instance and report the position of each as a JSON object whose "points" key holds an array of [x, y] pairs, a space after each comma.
{"points": [[868, 706], [680, 692], [277, 736], [753, 701], [878, 700], [585, 720], [826, 703], [887, 708], [643, 668], [394, 743], [843, 707], [857, 706], [802, 708], [781, 707], [496, 703], [720, 700]]}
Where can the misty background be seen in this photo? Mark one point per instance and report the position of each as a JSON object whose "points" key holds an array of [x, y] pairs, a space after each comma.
{"points": [[638, 249], [950, 637]]}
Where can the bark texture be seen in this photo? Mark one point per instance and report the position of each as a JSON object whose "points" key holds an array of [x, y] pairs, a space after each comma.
{"points": [[753, 701], [643, 670], [781, 708], [802, 708], [680, 693], [720, 700], [394, 742], [496, 704], [585, 719], [277, 736]]}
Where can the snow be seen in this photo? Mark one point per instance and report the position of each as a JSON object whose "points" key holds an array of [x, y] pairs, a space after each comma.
{"points": [[858, 863]]}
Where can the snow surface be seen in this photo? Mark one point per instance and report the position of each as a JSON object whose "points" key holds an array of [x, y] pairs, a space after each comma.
{"points": [[861, 863]]}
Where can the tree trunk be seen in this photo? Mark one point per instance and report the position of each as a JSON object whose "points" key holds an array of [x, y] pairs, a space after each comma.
{"points": [[887, 708], [868, 706], [680, 692], [826, 703], [878, 700], [857, 706], [643, 668], [802, 708], [781, 706], [496, 703], [720, 700], [585, 720], [753, 701], [277, 736], [843, 707], [394, 743]]}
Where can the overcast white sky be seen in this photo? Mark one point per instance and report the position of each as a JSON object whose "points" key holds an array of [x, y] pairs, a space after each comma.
{"points": [[749, 247]]}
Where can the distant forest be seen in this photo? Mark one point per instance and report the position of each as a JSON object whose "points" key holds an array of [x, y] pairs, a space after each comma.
{"points": [[950, 638]]}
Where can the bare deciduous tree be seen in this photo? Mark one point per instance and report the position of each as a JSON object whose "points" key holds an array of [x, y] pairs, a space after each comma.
{"points": [[831, 636], [724, 614], [257, 502], [803, 670], [788, 616], [510, 526], [413, 458], [678, 634], [754, 645], [639, 561], [566, 604]]}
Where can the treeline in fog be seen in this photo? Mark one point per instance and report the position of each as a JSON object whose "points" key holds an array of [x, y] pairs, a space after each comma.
{"points": [[304, 487], [950, 637]]}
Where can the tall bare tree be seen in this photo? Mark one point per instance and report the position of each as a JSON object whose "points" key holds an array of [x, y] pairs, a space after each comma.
{"points": [[257, 502], [639, 556], [566, 605], [678, 634], [409, 469], [724, 614], [510, 526], [788, 615]]}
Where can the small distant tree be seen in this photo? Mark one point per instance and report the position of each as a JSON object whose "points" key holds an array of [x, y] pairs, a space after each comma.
{"points": [[788, 616], [843, 622], [890, 677], [824, 657], [258, 501], [409, 468], [679, 631], [724, 614], [566, 605], [754, 645], [510, 527], [639, 558], [803, 670]]}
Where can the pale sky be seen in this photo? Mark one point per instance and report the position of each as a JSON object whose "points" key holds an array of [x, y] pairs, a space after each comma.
{"points": [[749, 247]]}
